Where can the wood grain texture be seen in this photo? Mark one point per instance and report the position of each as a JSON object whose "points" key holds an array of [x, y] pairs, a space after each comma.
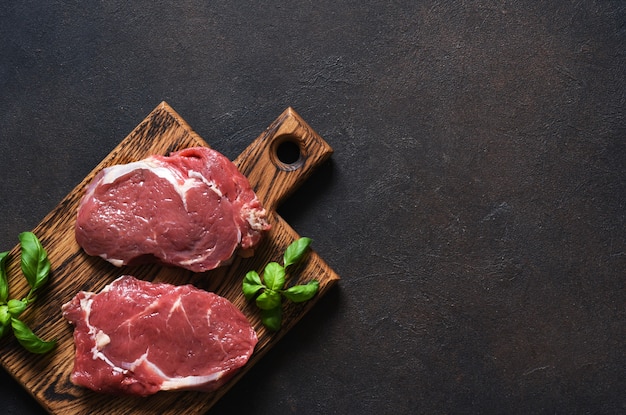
{"points": [[47, 377]]}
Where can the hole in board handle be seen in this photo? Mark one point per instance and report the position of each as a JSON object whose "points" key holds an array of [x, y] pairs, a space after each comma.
{"points": [[287, 154]]}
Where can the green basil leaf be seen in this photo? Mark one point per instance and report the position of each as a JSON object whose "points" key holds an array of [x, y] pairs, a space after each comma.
{"points": [[16, 307], [5, 318], [268, 299], [295, 251], [28, 339], [251, 285], [274, 276], [300, 293], [4, 281], [272, 318], [34, 260]]}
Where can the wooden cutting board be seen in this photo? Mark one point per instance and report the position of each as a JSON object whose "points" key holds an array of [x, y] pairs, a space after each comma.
{"points": [[46, 377]]}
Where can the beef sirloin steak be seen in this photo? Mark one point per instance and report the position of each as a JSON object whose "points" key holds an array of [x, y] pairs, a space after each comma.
{"points": [[137, 337], [192, 209]]}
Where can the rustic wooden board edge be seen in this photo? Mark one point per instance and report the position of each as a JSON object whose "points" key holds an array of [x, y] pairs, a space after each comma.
{"points": [[162, 121]]}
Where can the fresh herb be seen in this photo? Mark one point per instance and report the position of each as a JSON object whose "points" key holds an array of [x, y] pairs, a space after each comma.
{"points": [[270, 289], [36, 268]]}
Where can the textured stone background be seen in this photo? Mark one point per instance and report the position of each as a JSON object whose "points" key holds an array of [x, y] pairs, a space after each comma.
{"points": [[474, 206]]}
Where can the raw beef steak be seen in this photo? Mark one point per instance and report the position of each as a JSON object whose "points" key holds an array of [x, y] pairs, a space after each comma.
{"points": [[191, 209], [137, 337]]}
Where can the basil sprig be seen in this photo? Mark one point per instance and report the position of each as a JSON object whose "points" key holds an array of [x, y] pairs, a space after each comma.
{"points": [[36, 268], [270, 289]]}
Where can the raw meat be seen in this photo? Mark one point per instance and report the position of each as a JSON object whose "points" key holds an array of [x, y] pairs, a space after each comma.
{"points": [[137, 337], [191, 209]]}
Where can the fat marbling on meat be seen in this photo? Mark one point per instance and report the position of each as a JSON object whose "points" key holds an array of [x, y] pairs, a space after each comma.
{"points": [[192, 209], [137, 337]]}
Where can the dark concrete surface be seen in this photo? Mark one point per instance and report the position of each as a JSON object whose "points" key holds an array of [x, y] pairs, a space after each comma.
{"points": [[474, 206]]}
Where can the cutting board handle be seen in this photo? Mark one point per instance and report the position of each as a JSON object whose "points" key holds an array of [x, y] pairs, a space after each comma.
{"points": [[271, 175]]}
